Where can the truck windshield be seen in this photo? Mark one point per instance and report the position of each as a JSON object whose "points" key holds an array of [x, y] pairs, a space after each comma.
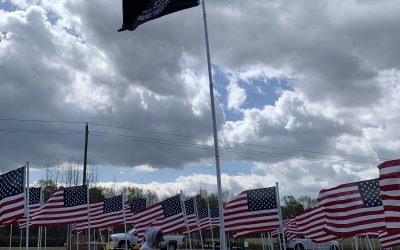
{"points": [[131, 231]]}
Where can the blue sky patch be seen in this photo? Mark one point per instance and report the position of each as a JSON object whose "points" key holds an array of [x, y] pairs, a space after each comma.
{"points": [[260, 91], [52, 17], [7, 6]]}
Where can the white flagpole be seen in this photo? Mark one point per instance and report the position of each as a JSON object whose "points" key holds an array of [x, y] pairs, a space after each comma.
{"points": [[218, 168], [356, 242], [71, 236], [77, 240], [38, 239], [369, 243], [270, 241], [88, 212], [279, 241], [197, 219], [201, 239], [9, 245], [68, 237], [94, 240], [278, 204], [123, 209], [41, 200], [27, 207], [262, 241], [209, 222], [45, 238], [185, 218]]}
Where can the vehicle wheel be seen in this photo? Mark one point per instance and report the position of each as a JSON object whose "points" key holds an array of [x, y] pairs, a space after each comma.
{"points": [[299, 247], [121, 244], [334, 248], [171, 247]]}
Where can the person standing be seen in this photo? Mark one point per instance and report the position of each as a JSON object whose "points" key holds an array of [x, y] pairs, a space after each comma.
{"points": [[152, 237]]}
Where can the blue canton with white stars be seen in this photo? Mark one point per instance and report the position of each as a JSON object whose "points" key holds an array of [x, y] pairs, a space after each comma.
{"points": [[34, 196], [189, 206], [113, 204], [370, 193], [138, 205], [214, 213], [75, 196], [12, 183], [172, 206], [202, 212], [261, 199]]}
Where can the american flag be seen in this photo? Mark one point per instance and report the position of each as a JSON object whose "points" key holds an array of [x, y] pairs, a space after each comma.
{"points": [[12, 192], [353, 208], [389, 175], [289, 228], [214, 218], [252, 211], [203, 217], [172, 219], [65, 206], [312, 224], [35, 195], [103, 215], [191, 215], [389, 240], [136, 206], [166, 214]]}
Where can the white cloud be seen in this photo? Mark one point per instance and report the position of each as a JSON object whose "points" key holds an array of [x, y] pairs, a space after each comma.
{"points": [[295, 177], [236, 96], [144, 169]]}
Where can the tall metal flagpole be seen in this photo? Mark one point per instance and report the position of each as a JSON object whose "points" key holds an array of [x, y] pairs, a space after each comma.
{"points": [[278, 204], [220, 205], [27, 207]]}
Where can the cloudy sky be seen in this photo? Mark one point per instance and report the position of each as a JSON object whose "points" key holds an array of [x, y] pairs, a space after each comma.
{"points": [[308, 92]]}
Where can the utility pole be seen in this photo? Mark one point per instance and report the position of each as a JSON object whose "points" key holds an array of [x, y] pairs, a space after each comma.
{"points": [[85, 155]]}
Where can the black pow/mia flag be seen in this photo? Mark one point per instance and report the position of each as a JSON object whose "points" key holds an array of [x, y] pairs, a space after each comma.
{"points": [[136, 12]]}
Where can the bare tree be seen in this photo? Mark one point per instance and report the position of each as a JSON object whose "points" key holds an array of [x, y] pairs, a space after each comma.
{"points": [[93, 175], [307, 202]]}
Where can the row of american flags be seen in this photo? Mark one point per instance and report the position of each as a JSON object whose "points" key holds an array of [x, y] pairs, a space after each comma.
{"points": [[369, 207]]}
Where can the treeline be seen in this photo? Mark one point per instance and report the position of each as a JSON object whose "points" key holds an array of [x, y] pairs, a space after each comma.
{"points": [[69, 174]]}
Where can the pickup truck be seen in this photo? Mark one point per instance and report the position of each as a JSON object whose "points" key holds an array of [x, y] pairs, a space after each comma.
{"points": [[170, 242], [302, 243]]}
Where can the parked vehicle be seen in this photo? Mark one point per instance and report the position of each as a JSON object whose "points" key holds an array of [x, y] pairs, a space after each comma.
{"points": [[170, 242], [302, 243], [119, 239]]}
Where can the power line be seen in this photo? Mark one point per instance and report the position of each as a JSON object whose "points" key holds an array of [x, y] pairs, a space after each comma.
{"points": [[162, 133], [41, 121], [41, 131], [224, 149]]}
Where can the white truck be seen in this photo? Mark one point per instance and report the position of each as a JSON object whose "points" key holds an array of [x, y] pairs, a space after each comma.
{"points": [[170, 242], [301, 243]]}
